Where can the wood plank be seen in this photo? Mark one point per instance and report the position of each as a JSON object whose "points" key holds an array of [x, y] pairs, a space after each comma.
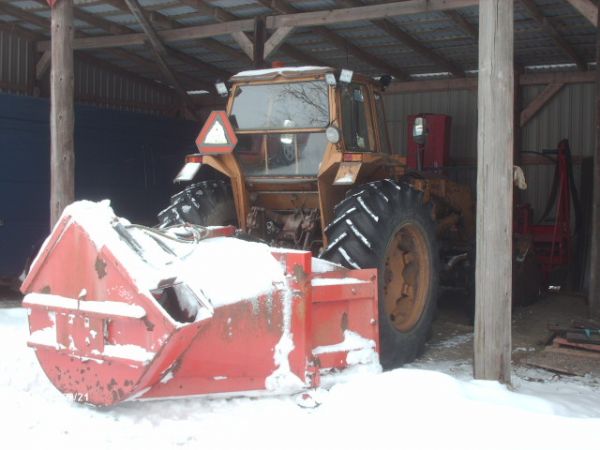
{"points": [[42, 64], [546, 24], [375, 11], [315, 18], [566, 361], [539, 102], [493, 273], [343, 44], [62, 116], [587, 8], [410, 42], [448, 84], [244, 42], [160, 51], [469, 29], [275, 40], [260, 36], [594, 290]]}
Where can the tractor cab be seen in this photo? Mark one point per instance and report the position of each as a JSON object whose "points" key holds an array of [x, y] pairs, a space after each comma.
{"points": [[305, 135]]}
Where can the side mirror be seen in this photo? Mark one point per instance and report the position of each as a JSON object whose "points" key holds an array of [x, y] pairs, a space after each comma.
{"points": [[420, 130]]}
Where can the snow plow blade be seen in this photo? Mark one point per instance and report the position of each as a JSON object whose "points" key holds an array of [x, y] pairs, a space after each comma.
{"points": [[120, 312]]}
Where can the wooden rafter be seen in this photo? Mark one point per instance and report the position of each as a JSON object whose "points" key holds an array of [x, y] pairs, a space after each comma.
{"points": [[44, 61], [225, 17], [468, 28], [115, 28], [343, 44], [315, 18], [160, 52], [407, 40], [587, 8], [539, 102], [551, 29]]}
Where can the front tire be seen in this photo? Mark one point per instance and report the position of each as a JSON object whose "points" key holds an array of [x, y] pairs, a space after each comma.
{"points": [[206, 203], [387, 226]]}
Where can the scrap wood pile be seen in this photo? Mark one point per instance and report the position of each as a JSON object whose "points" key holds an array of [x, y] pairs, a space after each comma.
{"points": [[571, 350]]}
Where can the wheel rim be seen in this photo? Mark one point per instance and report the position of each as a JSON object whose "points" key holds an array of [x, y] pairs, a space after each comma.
{"points": [[406, 277]]}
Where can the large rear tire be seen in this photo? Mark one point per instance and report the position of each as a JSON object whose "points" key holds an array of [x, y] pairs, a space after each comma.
{"points": [[206, 203], [387, 226]]}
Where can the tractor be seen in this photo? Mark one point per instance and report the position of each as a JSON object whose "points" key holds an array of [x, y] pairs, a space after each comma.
{"points": [[301, 159]]}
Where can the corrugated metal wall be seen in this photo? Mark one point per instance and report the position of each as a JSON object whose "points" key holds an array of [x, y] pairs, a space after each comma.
{"points": [[570, 114], [16, 63], [127, 157], [94, 85]]}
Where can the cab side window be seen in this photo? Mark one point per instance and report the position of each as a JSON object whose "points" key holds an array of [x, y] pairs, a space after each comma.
{"points": [[384, 140], [354, 118]]}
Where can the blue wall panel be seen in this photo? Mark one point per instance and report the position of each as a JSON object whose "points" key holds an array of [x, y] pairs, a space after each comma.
{"points": [[128, 158]]}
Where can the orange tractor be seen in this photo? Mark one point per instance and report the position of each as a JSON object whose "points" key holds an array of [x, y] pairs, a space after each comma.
{"points": [[356, 246], [313, 169]]}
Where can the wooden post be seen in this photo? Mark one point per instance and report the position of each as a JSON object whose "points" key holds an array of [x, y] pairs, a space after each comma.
{"points": [[62, 154], [594, 294], [259, 42], [493, 278]]}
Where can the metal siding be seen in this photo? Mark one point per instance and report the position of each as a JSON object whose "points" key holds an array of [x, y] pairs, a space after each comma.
{"points": [[15, 63], [460, 105], [570, 114], [127, 157]]}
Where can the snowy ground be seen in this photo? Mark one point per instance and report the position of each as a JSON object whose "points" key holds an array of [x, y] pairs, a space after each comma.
{"points": [[431, 405]]}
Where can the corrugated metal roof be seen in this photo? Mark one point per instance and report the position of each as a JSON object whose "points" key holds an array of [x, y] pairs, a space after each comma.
{"points": [[435, 30]]}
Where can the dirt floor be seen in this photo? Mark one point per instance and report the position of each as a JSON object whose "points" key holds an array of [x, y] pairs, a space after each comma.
{"points": [[452, 334]]}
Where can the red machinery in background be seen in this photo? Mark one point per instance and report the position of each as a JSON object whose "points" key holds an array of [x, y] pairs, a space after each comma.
{"points": [[434, 153], [552, 241]]}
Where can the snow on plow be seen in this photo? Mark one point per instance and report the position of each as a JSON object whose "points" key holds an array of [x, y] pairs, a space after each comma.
{"points": [[120, 312]]}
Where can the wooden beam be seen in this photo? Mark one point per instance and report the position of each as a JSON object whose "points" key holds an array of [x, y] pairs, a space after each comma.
{"points": [[539, 102], [343, 44], [316, 18], [222, 15], [370, 12], [468, 28], [275, 40], [244, 42], [557, 77], [408, 41], [493, 274], [587, 8], [594, 291], [160, 52], [42, 64], [260, 36], [62, 115], [551, 29], [449, 84]]}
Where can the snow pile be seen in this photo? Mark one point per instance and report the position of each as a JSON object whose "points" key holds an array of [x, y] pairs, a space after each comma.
{"points": [[405, 408], [221, 270]]}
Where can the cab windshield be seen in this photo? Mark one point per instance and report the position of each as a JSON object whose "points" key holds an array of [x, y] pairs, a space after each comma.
{"points": [[281, 127], [299, 105]]}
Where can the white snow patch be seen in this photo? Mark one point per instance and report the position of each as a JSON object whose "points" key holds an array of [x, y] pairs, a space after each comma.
{"points": [[278, 71], [87, 306], [127, 351], [352, 341], [335, 281], [283, 379], [223, 270], [436, 411]]}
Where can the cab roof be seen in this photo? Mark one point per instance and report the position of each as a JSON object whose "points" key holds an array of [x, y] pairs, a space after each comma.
{"points": [[286, 72]]}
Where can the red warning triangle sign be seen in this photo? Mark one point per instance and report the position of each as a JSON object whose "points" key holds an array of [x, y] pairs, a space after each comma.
{"points": [[217, 135]]}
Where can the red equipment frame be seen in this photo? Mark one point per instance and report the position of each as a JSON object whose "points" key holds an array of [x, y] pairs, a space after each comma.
{"points": [[552, 243], [102, 338]]}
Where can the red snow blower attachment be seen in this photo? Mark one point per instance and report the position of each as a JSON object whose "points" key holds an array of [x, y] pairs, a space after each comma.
{"points": [[119, 311]]}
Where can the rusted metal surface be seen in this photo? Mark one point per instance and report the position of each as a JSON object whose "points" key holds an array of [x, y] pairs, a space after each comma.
{"points": [[407, 273], [102, 338]]}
